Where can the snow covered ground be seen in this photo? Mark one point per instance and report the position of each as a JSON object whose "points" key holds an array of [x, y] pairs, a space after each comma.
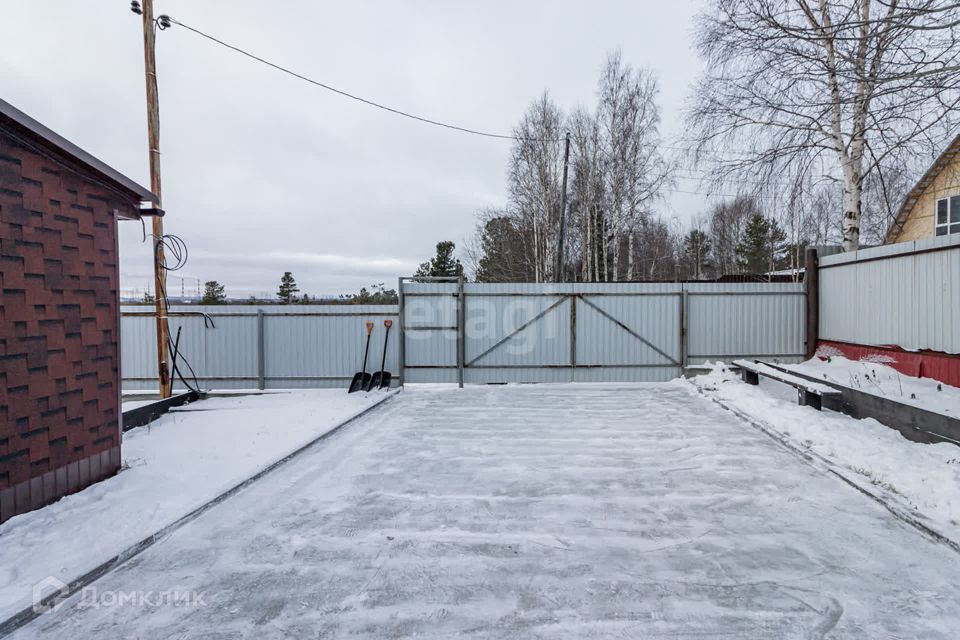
{"points": [[129, 403], [874, 377], [560, 511], [923, 478], [173, 466]]}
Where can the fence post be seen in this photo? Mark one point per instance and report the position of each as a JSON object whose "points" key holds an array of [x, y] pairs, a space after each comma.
{"points": [[402, 352], [261, 364], [461, 332], [683, 329], [811, 280], [573, 337]]}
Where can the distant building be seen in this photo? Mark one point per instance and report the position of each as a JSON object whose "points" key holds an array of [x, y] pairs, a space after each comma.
{"points": [[932, 208], [59, 314]]}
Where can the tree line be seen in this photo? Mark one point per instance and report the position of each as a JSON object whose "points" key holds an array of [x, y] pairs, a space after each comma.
{"points": [[817, 117], [288, 292]]}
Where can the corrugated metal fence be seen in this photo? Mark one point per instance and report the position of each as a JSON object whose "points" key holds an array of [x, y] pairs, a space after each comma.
{"points": [[592, 332], [905, 294], [270, 347], [508, 333]]}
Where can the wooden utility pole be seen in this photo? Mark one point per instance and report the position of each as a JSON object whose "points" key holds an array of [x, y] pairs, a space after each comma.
{"points": [[558, 275], [153, 130]]}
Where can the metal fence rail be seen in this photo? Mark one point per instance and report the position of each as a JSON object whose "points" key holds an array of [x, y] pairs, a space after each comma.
{"points": [[904, 294]]}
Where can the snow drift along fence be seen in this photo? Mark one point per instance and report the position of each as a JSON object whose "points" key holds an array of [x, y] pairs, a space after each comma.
{"points": [[249, 347], [905, 294]]}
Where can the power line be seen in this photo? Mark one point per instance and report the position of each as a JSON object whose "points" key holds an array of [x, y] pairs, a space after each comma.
{"points": [[164, 22], [167, 20], [345, 94]]}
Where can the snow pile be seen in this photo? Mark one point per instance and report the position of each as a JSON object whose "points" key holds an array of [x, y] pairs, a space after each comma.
{"points": [[873, 376], [924, 478], [170, 468]]}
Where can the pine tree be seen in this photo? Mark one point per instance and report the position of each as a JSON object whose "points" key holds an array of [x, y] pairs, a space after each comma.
{"points": [[762, 248], [213, 293], [288, 289], [444, 264], [502, 256]]}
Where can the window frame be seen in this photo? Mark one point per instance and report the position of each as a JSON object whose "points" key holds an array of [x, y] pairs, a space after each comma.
{"points": [[950, 226]]}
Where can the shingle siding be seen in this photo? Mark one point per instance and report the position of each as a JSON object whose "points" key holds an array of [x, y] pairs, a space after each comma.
{"points": [[59, 352]]}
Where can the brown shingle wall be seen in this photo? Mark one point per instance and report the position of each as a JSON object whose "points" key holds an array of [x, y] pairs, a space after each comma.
{"points": [[59, 359]]}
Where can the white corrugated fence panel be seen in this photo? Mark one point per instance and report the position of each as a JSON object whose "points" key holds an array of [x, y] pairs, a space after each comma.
{"points": [[906, 294], [305, 346], [727, 321]]}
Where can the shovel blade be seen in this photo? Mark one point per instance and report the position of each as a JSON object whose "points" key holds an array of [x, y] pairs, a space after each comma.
{"points": [[359, 382], [385, 380], [374, 382]]}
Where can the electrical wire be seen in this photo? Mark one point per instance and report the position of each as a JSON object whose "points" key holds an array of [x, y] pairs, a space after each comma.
{"points": [[174, 247], [165, 18]]}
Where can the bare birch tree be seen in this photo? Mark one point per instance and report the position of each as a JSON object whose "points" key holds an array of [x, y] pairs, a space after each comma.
{"points": [[633, 170], [587, 195], [846, 88], [616, 175], [617, 171], [536, 166]]}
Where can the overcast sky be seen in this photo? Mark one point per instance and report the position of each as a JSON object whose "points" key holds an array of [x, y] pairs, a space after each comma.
{"points": [[263, 173]]}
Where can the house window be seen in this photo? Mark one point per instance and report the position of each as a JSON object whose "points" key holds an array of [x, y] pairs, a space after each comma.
{"points": [[948, 216]]}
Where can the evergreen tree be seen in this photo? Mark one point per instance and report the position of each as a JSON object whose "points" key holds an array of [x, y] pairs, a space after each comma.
{"points": [[444, 264], [763, 246], [287, 293], [213, 293], [502, 257], [377, 294], [696, 255]]}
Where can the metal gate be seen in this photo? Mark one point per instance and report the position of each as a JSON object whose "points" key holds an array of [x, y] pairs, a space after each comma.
{"points": [[452, 331]]}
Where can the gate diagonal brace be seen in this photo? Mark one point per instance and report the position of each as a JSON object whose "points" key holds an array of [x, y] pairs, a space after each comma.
{"points": [[520, 328], [628, 330]]}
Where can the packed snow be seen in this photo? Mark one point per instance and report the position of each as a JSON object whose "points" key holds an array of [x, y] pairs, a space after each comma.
{"points": [[129, 404], [925, 478], [874, 377], [171, 467], [536, 511]]}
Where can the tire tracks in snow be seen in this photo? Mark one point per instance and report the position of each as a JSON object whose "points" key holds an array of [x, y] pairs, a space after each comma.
{"points": [[51, 601]]}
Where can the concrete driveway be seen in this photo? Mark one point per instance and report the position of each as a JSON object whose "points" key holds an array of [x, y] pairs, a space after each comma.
{"points": [[549, 511]]}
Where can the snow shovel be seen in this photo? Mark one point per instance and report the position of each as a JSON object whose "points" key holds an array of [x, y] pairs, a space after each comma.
{"points": [[362, 378], [381, 379]]}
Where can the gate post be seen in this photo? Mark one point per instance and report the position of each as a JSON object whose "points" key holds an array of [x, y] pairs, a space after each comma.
{"points": [[461, 332], [261, 359], [402, 353], [811, 280], [573, 337], [683, 329]]}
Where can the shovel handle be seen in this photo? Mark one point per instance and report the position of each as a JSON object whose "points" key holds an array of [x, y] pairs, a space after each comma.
{"points": [[388, 323], [369, 328]]}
